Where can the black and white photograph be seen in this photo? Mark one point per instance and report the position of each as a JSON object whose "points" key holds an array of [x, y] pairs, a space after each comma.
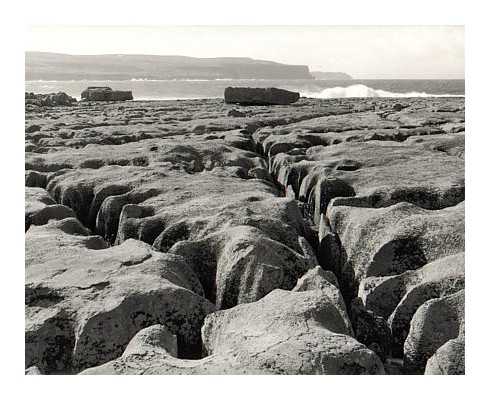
{"points": [[245, 199]]}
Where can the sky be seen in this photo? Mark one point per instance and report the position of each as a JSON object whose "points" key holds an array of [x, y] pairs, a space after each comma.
{"points": [[369, 52]]}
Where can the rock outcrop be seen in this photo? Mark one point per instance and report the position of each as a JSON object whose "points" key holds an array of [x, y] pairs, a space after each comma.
{"points": [[49, 100], [198, 237]]}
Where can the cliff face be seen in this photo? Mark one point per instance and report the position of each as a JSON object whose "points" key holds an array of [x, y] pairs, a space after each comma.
{"points": [[53, 66]]}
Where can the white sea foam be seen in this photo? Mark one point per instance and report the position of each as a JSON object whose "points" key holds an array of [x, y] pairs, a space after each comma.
{"points": [[365, 91]]}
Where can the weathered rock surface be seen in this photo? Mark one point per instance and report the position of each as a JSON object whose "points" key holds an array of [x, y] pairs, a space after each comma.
{"points": [[124, 122], [200, 200], [435, 322], [40, 208], [284, 332], [448, 359], [398, 297], [155, 337], [372, 174], [319, 229], [316, 278], [85, 301], [259, 96], [391, 240], [453, 145]]}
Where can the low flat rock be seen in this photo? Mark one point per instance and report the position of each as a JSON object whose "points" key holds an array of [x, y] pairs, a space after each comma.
{"points": [[85, 300], [283, 333], [192, 155], [428, 117], [352, 127], [56, 129], [453, 145]]}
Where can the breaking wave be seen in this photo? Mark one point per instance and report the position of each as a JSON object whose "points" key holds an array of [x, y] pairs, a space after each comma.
{"points": [[365, 91]]}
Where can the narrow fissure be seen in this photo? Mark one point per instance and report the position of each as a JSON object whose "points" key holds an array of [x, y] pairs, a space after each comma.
{"points": [[331, 256]]}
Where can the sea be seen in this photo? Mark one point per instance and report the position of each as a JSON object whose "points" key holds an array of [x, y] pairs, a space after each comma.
{"points": [[146, 89]]}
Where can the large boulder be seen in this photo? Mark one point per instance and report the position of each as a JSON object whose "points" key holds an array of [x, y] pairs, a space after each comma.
{"points": [[101, 93], [259, 96], [122, 95]]}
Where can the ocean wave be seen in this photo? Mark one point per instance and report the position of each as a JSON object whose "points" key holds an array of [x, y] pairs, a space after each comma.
{"points": [[365, 91]]}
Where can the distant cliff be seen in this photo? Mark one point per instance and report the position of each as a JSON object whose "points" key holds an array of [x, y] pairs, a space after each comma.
{"points": [[54, 66], [333, 76]]}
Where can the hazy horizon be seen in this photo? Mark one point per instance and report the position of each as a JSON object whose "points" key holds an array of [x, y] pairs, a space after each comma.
{"points": [[364, 52]]}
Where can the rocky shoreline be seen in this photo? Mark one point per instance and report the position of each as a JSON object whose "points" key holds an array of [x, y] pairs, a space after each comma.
{"points": [[198, 237]]}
